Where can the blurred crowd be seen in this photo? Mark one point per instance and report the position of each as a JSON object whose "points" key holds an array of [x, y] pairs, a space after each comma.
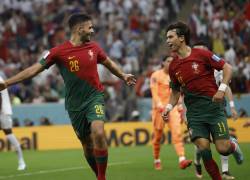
{"points": [[126, 29], [225, 26], [130, 31], [43, 121]]}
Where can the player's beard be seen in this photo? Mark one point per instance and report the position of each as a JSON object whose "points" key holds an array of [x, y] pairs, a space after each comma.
{"points": [[86, 38], [171, 47], [174, 48]]}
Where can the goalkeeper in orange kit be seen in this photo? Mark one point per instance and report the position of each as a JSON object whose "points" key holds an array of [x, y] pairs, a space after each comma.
{"points": [[159, 84]]}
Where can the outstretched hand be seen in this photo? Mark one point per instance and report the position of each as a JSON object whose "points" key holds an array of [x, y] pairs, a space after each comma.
{"points": [[2, 86], [129, 79]]}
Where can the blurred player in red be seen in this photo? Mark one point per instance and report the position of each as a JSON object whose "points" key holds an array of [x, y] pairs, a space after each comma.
{"points": [[159, 84]]}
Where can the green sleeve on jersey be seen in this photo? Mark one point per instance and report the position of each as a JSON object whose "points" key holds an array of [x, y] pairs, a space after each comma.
{"points": [[174, 86], [43, 63]]}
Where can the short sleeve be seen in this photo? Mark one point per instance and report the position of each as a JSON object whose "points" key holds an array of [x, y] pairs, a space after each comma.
{"points": [[48, 58], [174, 83], [218, 75], [101, 55], [214, 60]]}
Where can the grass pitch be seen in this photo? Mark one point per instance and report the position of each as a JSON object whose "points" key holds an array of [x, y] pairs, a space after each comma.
{"points": [[125, 163]]}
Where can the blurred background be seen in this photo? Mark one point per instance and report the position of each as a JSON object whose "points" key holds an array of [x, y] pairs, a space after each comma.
{"points": [[132, 34]]}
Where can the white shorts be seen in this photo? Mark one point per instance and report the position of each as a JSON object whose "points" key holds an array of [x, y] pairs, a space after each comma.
{"points": [[5, 121]]}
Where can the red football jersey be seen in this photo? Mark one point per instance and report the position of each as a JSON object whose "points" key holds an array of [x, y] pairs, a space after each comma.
{"points": [[80, 60], [196, 72], [78, 67]]}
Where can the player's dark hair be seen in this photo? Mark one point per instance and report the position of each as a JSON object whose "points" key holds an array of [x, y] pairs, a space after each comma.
{"points": [[200, 43], [77, 18], [181, 30], [203, 43], [164, 58]]}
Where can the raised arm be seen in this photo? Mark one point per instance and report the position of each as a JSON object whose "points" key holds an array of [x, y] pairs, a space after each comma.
{"points": [[114, 69], [23, 75]]}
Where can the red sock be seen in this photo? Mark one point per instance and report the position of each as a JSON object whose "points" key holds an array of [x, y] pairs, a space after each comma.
{"points": [[212, 169], [101, 162], [210, 164]]}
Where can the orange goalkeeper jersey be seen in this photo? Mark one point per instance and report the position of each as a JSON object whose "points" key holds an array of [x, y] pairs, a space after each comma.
{"points": [[159, 84]]}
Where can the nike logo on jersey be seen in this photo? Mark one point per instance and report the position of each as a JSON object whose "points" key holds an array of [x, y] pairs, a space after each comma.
{"points": [[71, 57]]}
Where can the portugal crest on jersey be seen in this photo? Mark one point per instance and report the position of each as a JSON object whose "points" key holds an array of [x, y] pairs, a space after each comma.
{"points": [[195, 67]]}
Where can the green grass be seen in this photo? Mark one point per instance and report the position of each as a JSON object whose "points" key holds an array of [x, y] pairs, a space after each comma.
{"points": [[126, 163]]}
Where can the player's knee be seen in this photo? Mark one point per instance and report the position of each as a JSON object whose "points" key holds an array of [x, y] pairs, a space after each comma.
{"points": [[97, 129], [202, 144], [224, 149], [98, 133], [225, 153], [177, 139], [202, 148]]}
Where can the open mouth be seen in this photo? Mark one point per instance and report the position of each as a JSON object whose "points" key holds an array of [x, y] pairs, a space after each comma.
{"points": [[170, 45]]}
